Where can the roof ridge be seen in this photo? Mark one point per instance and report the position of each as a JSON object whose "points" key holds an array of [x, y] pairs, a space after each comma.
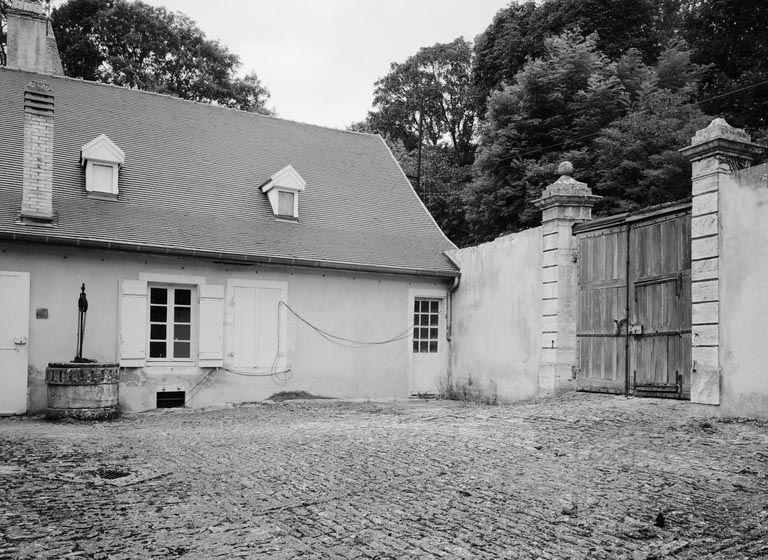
{"points": [[192, 101]]}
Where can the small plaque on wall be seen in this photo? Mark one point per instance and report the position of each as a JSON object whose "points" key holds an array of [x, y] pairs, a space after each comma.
{"points": [[41, 313]]}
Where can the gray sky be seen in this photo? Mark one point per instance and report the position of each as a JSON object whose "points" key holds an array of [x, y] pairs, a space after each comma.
{"points": [[319, 58]]}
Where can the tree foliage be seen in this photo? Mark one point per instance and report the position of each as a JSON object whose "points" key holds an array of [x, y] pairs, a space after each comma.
{"points": [[621, 121], [518, 33], [430, 89], [135, 45], [431, 93], [731, 38]]}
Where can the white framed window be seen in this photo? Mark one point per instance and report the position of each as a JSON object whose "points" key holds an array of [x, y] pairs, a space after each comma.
{"points": [[170, 323], [426, 325], [283, 190], [285, 203], [102, 160], [164, 318], [102, 178]]}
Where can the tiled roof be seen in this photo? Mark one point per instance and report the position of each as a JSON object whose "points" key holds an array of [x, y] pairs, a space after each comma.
{"points": [[190, 183]]}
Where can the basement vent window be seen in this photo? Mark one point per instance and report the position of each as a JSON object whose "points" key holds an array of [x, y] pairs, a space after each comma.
{"points": [[102, 160], [171, 399], [282, 190]]}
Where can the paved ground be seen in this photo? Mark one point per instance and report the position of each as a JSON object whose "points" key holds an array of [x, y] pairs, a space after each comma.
{"points": [[581, 477]]}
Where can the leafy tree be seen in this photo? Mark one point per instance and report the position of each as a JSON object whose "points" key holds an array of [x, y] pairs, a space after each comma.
{"points": [[135, 45], [3, 31], [442, 186], [621, 122], [731, 38], [431, 89], [518, 33]]}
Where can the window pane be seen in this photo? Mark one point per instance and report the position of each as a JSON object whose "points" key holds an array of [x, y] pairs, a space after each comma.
{"points": [[433, 346], [416, 306], [157, 349], [435, 307], [157, 332], [285, 203], [158, 295], [424, 333], [433, 334], [102, 178], [433, 320], [416, 319], [181, 332], [157, 314], [181, 349], [183, 297], [424, 306], [415, 333], [182, 315], [415, 346], [423, 346]]}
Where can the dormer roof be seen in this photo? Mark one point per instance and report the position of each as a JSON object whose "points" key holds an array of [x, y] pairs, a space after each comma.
{"points": [[103, 149], [287, 178]]}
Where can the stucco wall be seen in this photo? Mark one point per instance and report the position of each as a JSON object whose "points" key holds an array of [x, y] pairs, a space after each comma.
{"points": [[358, 306], [743, 293], [496, 334]]}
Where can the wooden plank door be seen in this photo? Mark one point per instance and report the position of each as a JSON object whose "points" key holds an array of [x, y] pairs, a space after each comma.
{"points": [[601, 326], [660, 306]]}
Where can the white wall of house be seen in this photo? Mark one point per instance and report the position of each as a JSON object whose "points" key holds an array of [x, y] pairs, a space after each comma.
{"points": [[743, 298], [497, 316], [360, 306]]}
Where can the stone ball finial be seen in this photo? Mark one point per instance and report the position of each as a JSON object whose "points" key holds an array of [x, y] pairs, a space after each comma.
{"points": [[565, 168]]}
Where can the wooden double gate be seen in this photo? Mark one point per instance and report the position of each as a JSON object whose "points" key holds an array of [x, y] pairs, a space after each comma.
{"points": [[634, 307]]}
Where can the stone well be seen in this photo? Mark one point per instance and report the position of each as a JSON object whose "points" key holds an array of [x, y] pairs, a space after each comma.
{"points": [[82, 391]]}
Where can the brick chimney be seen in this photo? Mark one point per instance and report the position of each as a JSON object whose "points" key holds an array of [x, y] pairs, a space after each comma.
{"points": [[31, 44], [37, 196]]}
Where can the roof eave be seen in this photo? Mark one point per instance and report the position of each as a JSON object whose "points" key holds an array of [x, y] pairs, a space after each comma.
{"points": [[233, 258]]}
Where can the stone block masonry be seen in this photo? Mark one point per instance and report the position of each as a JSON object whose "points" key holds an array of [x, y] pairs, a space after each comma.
{"points": [[564, 203], [37, 178], [714, 153]]}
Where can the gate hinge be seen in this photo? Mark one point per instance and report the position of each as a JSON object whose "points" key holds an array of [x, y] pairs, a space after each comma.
{"points": [[575, 371], [576, 254]]}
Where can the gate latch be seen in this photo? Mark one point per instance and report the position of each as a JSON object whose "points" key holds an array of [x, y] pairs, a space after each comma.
{"points": [[635, 329]]}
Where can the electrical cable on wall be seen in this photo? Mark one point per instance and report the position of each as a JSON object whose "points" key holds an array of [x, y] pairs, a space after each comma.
{"points": [[282, 377]]}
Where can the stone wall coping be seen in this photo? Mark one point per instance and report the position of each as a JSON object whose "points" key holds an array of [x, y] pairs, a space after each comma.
{"points": [[723, 147], [566, 200]]}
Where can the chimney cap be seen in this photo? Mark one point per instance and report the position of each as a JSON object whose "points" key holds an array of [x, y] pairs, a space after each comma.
{"points": [[31, 7]]}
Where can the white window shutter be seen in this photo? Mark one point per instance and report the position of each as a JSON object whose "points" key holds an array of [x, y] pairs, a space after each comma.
{"points": [[267, 336], [211, 339], [133, 323]]}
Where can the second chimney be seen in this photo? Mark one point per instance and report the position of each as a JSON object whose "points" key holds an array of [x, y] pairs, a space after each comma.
{"points": [[31, 43], [37, 182]]}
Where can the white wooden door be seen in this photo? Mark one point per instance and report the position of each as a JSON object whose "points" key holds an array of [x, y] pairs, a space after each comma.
{"points": [[14, 333], [428, 345]]}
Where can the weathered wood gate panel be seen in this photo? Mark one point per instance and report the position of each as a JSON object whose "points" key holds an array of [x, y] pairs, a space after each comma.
{"points": [[634, 321]]}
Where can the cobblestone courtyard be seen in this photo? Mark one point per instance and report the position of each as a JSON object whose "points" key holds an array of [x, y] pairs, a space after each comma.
{"points": [[585, 476]]}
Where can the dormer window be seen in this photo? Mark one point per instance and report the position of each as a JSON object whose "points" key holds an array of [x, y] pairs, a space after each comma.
{"points": [[102, 159], [285, 203], [283, 190]]}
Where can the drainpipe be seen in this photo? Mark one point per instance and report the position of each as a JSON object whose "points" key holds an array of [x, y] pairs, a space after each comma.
{"points": [[449, 322]]}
